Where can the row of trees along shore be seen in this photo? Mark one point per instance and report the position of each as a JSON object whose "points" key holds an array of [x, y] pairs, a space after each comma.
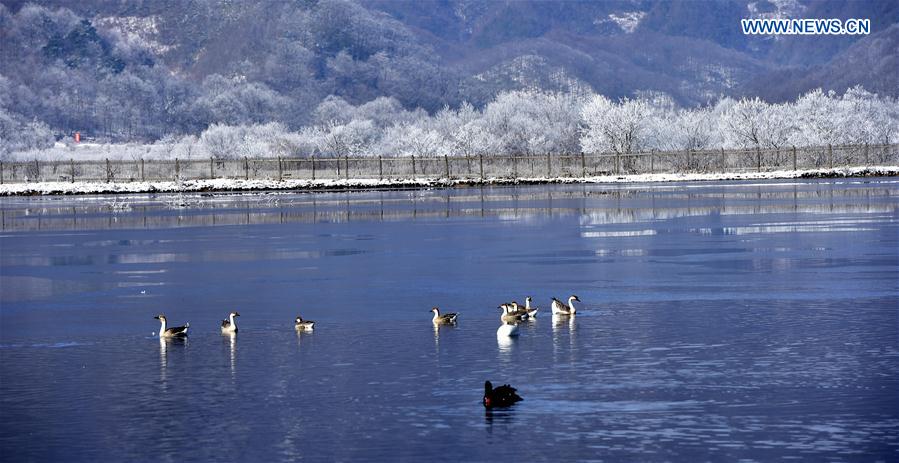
{"points": [[523, 122]]}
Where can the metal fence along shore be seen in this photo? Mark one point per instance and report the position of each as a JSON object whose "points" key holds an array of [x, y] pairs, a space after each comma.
{"points": [[474, 168]]}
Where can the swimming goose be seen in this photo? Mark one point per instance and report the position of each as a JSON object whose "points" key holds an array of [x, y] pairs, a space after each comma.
{"points": [[525, 312], [230, 325], [507, 330], [301, 324], [445, 319], [502, 396], [508, 314], [559, 309], [532, 311], [174, 332]]}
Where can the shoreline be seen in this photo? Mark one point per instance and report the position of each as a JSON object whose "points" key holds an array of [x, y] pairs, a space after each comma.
{"points": [[225, 185]]}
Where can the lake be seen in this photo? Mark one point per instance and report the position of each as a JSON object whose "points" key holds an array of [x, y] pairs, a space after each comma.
{"points": [[753, 321]]}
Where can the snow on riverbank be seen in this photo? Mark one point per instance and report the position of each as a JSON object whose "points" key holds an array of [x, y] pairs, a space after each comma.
{"points": [[67, 188]]}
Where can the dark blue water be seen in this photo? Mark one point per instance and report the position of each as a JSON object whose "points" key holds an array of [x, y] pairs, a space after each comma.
{"points": [[740, 321]]}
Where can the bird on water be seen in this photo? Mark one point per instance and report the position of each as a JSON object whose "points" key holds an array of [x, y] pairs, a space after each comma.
{"points": [[445, 319], [502, 396], [230, 325], [173, 332], [301, 324], [559, 308]]}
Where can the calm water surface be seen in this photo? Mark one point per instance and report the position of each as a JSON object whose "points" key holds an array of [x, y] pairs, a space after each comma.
{"points": [[738, 321]]}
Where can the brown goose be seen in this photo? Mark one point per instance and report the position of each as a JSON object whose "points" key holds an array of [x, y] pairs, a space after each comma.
{"points": [[174, 332], [560, 309], [508, 315], [445, 319], [526, 312]]}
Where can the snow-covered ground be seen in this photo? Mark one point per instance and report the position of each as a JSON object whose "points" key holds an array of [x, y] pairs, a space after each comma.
{"points": [[64, 188]]}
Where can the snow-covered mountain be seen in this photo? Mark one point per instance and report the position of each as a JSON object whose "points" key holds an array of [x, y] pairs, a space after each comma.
{"points": [[144, 69]]}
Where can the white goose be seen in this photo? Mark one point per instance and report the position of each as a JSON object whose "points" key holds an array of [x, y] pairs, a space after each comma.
{"points": [[229, 326], [173, 332], [559, 309], [507, 330]]}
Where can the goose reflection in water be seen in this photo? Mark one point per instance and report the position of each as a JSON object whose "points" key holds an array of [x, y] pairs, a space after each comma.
{"points": [[505, 345], [561, 324], [164, 345], [232, 345], [501, 417], [302, 334]]}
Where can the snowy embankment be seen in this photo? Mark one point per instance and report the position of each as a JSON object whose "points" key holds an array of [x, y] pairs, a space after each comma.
{"points": [[67, 188]]}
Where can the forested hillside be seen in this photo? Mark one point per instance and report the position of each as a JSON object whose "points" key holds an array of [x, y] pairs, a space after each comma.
{"points": [[147, 70]]}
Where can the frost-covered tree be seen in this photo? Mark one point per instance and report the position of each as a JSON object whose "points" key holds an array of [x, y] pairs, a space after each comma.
{"points": [[350, 139], [819, 119], [865, 118], [741, 122], [623, 127], [412, 139], [534, 122]]}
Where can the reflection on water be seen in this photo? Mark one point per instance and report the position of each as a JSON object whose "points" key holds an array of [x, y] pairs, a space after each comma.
{"points": [[231, 339], [505, 345], [165, 345], [733, 322], [593, 204], [564, 326]]}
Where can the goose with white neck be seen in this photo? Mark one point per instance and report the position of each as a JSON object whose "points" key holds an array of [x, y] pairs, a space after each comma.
{"points": [[445, 319], [526, 312], [508, 315], [173, 332], [229, 326], [303, 325], [559, 308]]}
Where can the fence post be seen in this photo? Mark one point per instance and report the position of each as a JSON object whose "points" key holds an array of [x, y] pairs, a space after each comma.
{"points": [[652, 161], [143, 177], [313, 166], [211, 168], [177, 169], [446, 162], [246, 168], [866, 154], [380, 168], [758, 159], [72, 166], [481, 161], [830, 154], [794, 158], [413, 166], [280, 170], [107, 170]]}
